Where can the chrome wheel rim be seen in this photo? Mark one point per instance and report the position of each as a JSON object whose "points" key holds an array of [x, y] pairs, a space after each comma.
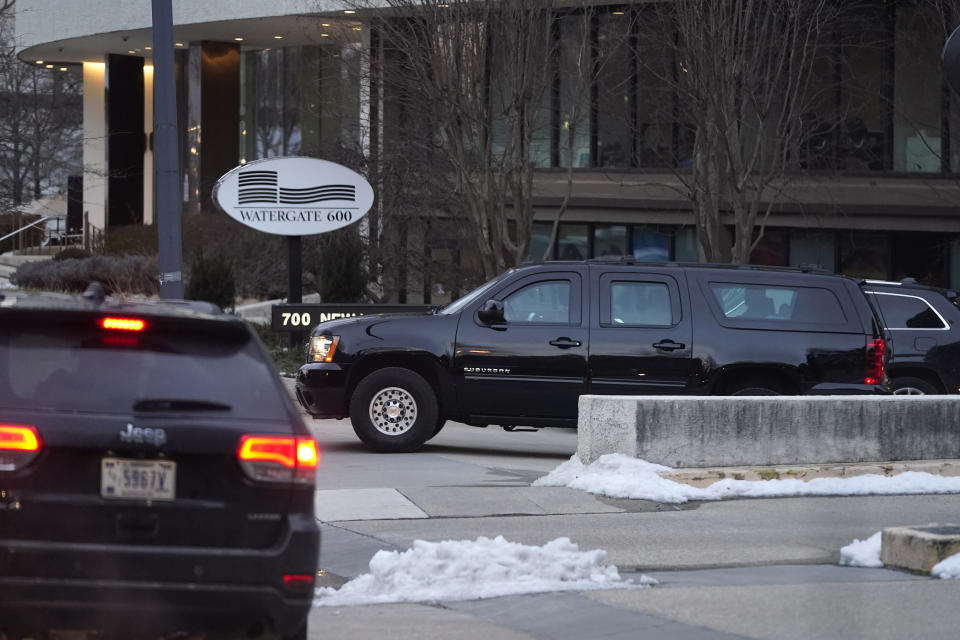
{"points": [[908, 391], [393, 411]]}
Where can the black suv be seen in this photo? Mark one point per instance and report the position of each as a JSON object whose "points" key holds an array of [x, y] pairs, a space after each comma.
{"points": [[522, 348], [154, 472], [924, 325]]}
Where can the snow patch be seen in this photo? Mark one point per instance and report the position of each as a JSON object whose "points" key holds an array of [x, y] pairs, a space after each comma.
{"points": [[474, 569], [620, 476], [948, 568], [862, 553]]}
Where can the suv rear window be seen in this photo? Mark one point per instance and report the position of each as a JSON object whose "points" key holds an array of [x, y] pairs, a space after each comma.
{"points": [[908, 312], [67, 368], [806, 305]]}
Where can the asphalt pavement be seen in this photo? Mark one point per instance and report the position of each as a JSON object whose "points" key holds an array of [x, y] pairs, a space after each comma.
{"points": [[749, 568]]}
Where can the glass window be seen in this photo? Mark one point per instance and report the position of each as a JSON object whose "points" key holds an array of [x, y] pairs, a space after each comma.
{"points": [[610, 240], [574, 92], [640, 303], [865, 255], [917, 74], [539, 240], [615, 87], [808, 305], [813, 247], [540, 302], [651, 245], [685, 245], [908, 312], [572, 242], [771, 250]]}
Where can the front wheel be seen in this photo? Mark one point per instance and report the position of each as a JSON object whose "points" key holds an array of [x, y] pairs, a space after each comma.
{"points": [[394, 410]]}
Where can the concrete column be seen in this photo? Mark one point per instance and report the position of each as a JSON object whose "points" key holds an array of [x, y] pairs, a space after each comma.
{"points": [[149, 202], [125, 141], [95, 144]]}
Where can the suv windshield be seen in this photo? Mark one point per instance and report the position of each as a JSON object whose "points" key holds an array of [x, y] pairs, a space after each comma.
{"points": [[70, 369], [460, 303]]}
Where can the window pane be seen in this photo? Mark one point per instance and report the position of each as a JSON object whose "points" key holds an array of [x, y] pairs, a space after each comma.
{"points": [[902, 312], [813, 247], [610, 240], [572, 242], [539, 240], [651, 246], [771, 250], [806, 305], [615, 102], [574, 92], [540, 302], [686, 249], [865, 255], [640, 303], [916, 122]]}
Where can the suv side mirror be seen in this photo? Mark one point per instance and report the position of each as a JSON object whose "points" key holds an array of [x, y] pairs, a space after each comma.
{"points": [[491, 312]]}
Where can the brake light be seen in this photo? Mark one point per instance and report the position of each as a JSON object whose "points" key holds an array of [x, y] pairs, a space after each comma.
{"points": [[123, 324], [19, 445], [876, 368], [297, 581], [278, 458]]}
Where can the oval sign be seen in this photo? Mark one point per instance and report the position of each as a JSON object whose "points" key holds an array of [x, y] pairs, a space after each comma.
{"points": [[293, 196]]}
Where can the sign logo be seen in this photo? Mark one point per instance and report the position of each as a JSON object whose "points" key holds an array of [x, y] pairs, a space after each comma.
{"points": [[293, 196], [132, 434]]}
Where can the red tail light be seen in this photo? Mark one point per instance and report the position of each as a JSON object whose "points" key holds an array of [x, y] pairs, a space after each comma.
{"points": [[298, 581], [123, 324], [278, 458], [876, 369], [19, 444]]}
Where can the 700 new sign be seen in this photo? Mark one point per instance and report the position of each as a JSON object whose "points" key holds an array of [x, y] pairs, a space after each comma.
{"points": [[301, 317]]}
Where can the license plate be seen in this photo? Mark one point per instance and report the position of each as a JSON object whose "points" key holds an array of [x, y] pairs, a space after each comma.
{"points": [[138, 479]]}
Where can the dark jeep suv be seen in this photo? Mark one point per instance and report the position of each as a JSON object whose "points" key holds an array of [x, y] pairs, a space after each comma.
{"points": [[522, 348], [154, 473], [924, 326]]}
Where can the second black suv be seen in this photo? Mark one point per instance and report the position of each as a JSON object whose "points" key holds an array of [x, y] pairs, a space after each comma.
{"points": [[522, 348], [924, 326]]}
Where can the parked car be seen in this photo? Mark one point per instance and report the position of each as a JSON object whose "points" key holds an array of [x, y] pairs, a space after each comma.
{"points": [[523, 347], [154, 472], [924, 325]]}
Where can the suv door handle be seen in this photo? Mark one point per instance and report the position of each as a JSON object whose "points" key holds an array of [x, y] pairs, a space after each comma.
{"points": [[668, 345], [565, 343]]}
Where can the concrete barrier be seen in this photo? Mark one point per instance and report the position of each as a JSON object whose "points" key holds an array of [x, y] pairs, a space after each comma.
{"points": [[695, 431]]}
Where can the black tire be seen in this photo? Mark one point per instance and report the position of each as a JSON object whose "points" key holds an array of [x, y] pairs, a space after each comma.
{"points": [[299, 634], [908, 385], [441, 421], [406, 404], [755, 391]]}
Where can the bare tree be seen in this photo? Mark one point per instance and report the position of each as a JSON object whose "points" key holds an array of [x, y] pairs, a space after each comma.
{"points": [[470, 77], [40, 122], [741, 72]]}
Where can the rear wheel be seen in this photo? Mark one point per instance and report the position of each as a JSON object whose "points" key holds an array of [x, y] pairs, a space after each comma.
{"points": [[754, 387], [299, 634], [394, 410], [909, 386]]}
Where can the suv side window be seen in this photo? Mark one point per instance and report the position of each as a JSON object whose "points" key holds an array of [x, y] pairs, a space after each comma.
{"points": [[901, 311], [543, 302], [788, 305], [640, 303]]}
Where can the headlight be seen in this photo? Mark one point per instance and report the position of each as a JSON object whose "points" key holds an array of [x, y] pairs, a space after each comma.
{"points": [[322, 348]]}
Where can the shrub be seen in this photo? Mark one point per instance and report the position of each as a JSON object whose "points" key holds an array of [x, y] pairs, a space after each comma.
{"points": [[211, 279], [118, 275], [77, 253]]}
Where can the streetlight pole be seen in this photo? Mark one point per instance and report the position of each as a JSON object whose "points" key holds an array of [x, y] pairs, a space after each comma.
{"points": [[169, 257]]}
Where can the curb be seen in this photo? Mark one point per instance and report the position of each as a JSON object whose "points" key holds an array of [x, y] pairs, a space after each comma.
{"points": [[706, 476]]}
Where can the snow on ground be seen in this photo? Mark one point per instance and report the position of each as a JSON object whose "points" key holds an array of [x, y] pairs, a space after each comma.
{"points": [[862, 553], [948, 568], [473, 569], [619, 476]]}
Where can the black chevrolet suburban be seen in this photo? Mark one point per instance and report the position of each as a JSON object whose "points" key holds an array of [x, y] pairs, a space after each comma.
{"points": [[522, 348]]}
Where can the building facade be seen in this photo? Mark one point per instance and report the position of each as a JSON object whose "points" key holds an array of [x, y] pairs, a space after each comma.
{"points": [[873, 192]]}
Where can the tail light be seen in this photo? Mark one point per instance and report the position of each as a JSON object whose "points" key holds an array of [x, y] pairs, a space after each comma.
{"points": [[297, 581], [123, 324], [278, 458], [19, 445], [876, 369]]}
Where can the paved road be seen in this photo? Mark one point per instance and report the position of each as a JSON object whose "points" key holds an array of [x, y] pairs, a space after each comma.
{"points": [[732, 569]]}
